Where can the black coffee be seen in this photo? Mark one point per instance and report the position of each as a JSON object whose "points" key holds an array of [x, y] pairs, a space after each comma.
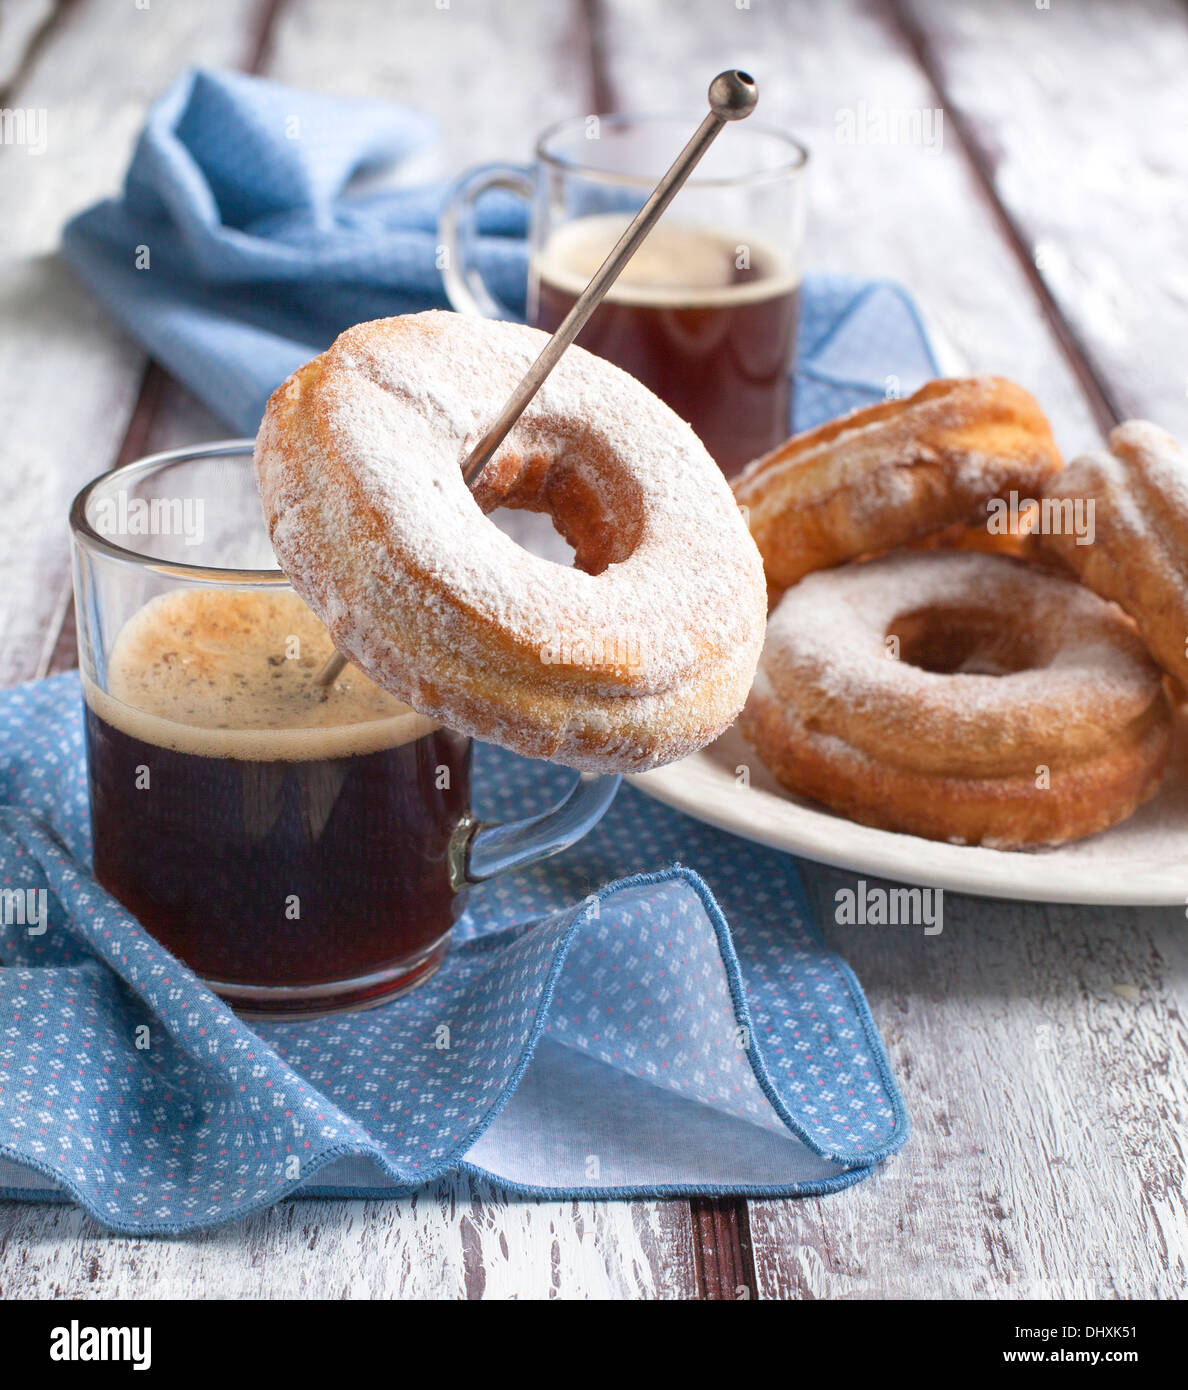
{"points": [[264, 835], [707, 320]]}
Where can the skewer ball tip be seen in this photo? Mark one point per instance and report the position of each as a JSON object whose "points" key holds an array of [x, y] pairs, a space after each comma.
{"points": [[733, 94]]}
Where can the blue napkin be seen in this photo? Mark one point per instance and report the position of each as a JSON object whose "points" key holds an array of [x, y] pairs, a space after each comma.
{"points": [[242, 245], [607, 1036], [603, 1039]]}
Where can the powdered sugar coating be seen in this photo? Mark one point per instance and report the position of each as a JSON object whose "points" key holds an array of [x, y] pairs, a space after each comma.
{"points": [[1087, 673], [894, 472], [641, 656], [1138, 555], [1143, 476], [1016, 709]]}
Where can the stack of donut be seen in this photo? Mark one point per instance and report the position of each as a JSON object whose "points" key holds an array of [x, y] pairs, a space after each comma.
{"points": [[916, 681]]}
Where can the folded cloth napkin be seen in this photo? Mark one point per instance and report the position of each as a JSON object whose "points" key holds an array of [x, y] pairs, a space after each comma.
{"points": [[580, 1040], [603, 1036], [242, 245]]}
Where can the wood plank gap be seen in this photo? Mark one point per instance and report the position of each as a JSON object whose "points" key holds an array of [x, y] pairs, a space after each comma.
{"points": [[63, 655], [722, 1249], [37, 42], [136, 436], [593, 20], [260, 49], [1106, 411], [59, 651]]}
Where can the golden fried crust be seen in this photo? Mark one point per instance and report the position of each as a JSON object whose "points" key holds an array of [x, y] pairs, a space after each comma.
{"points": [[1020, 709], [890, 474], [1021, 544], [1138, 555], [639, 654]]}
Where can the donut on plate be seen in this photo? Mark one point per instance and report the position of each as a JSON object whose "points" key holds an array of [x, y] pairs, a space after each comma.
{"points": [[1123, 531], [882, 477], [639, 654], [959, 696]]}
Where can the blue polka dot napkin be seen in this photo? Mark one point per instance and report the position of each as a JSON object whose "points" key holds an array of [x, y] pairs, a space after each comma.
{"points": [[588, 1035]]}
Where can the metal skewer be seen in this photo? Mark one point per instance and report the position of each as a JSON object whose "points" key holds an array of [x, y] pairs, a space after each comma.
{"points": [[732, 96]]}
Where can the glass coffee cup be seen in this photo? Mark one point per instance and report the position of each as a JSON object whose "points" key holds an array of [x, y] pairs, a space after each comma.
{"points": [[705, 312], [304, 850]]}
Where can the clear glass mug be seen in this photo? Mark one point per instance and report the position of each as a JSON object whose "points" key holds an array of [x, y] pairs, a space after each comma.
{"points": [[304, 855], [705, 313]]}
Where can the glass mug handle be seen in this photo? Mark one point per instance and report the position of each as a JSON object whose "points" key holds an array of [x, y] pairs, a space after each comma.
{"points": [[458, 233], [484, 849]]}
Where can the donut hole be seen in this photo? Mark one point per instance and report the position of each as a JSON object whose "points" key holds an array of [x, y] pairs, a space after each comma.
{"points": [[961, 640], [535, 532], [595, 504]]}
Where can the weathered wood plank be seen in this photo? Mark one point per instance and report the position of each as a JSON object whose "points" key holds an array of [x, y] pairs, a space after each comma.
{"points": [[21, 21], [1077, 115], [493, 75], [452, 1242], [1042, 1054], [68, 377]]}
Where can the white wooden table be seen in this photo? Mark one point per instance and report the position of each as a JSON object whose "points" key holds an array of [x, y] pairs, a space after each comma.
{"points": [[1041, 1050]]}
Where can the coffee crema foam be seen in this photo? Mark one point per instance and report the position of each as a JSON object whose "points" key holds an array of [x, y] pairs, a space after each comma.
{"points": [[679, 264], [232, 674]]}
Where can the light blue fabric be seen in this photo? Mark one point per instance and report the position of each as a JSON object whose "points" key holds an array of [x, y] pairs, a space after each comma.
{"points": [[609, 1035], [259, 252]]}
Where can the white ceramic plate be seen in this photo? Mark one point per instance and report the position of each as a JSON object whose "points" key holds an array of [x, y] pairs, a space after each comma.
{"points": [[1142, 862]]}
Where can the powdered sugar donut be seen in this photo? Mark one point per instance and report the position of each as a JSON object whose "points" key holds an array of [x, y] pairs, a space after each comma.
{"points": [[959, 696], [639, 654], [893, 473], [1132, 500]]}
